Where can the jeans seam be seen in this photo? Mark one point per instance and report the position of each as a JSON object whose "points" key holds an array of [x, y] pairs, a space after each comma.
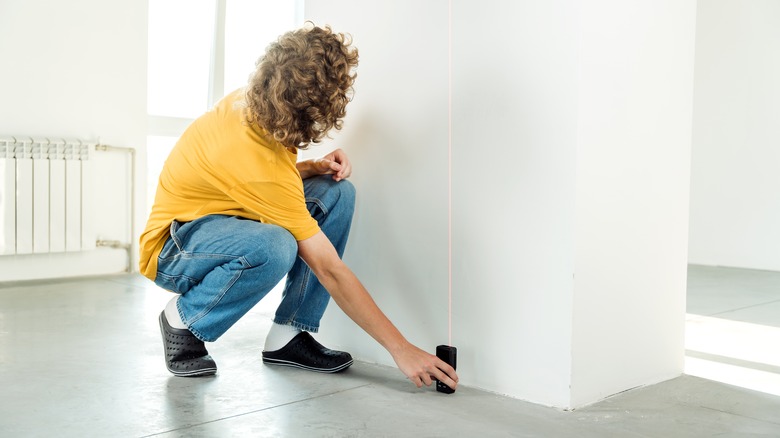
{"points": [[301, 297], [200, 255], [298, 325]]}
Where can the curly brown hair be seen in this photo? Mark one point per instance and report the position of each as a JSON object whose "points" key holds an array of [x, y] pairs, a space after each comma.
{"points": [[302, 84]]}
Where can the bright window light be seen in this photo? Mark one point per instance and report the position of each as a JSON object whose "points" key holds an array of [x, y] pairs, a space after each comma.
{"points": [[181, 36]]}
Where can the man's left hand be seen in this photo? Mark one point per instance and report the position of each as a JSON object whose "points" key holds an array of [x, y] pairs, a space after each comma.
{"points": [[335, 163]]}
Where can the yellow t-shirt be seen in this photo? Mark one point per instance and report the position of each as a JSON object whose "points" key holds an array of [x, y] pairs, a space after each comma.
{"points": [[221, 165]]}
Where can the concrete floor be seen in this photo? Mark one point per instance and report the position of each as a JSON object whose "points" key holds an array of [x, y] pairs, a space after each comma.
{"points": [[733, 327], [84, 358]]}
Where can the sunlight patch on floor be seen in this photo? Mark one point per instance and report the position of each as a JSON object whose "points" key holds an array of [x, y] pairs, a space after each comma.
{"points": [[733, 352]]}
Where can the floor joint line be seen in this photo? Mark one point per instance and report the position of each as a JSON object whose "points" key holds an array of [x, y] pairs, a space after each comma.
{"points": [[254, 411]]}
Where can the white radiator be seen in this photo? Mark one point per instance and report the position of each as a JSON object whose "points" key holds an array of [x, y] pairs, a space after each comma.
{"points": [[45, 196]]}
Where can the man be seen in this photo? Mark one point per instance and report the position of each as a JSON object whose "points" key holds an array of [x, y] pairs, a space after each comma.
{"points": [[235, 212]]}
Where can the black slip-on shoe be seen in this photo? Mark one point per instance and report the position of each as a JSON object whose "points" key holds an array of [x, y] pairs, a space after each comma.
{"points": [[306, 353], [185, 355]]}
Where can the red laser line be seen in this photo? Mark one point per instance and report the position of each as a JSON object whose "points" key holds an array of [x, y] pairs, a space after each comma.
{"points": [[449, 170]]}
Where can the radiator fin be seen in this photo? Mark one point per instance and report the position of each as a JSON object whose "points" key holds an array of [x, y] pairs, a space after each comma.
{"points": [[43, 196]]}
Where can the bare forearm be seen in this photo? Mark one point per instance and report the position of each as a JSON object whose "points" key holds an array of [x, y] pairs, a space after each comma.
{"points": [[305, 169]]}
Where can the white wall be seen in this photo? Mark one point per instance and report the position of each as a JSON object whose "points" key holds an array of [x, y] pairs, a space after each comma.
{"points": [[396, 134], [514, 139], [571, 130], [633, 168], [77, 69], [513, 201], [735, 207]]}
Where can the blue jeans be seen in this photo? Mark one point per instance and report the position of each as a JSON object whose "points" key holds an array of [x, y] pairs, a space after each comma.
{"points": [[223, 265]]}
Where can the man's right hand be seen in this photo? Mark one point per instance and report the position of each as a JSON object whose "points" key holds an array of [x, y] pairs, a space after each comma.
{"points": [[422, 367]]}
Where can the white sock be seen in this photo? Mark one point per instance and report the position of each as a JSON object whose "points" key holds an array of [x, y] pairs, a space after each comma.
{"points": [[279, 336], [172, 314]]}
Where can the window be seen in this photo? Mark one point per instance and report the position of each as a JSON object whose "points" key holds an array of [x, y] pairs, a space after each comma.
{"points": [[179, 56], [199, 50]]}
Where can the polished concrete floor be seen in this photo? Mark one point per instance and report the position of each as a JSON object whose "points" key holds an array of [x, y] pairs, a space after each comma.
{"points": [[83, 358]]}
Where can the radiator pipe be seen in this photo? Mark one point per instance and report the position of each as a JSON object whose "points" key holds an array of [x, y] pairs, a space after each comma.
{"points": [[116, 243], [112, 244]]}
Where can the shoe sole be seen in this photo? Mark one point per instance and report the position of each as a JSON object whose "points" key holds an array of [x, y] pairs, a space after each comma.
{"points": [[193, 373], [287, 363]]}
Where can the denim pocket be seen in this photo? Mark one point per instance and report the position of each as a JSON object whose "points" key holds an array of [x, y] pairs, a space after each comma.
{"points": [[175, 235], [173, 246]]}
